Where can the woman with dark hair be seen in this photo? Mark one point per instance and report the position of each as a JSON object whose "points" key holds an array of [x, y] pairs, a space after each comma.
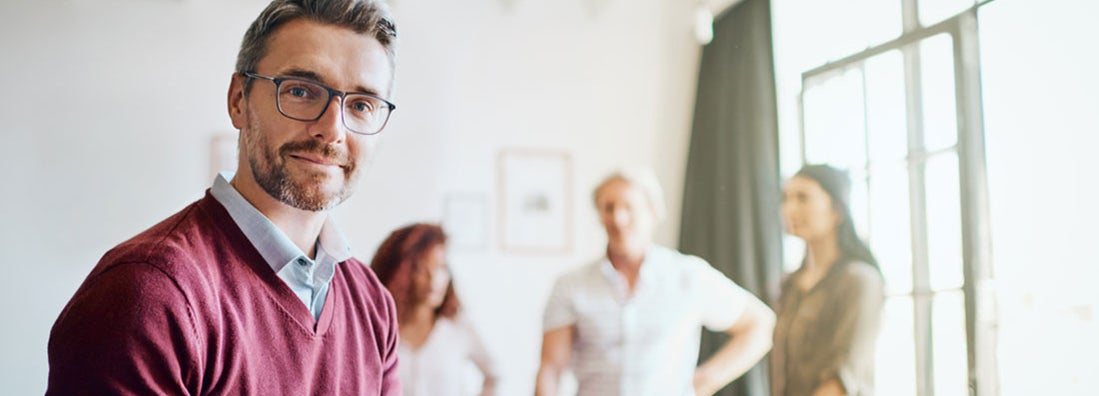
{"points": [[435, 345], [830, 308]]}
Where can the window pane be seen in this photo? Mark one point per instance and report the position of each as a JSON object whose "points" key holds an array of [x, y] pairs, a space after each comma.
{"points": [[890, 229], [860, 202], [940, 127], [875, 22], [834, 122], [949, 346], [838, 31], [934, 11], [944, 222], [885, 106], [896, 355]]}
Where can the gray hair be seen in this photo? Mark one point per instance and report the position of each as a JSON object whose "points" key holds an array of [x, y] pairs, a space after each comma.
{"points": [[645, 180], [368, 17]]}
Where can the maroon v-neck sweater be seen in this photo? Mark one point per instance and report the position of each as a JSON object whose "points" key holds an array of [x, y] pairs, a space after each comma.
{"points": [[189, 307]]}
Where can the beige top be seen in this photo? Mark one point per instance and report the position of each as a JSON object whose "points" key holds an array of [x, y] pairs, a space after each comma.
{"points": [[829, 331]]}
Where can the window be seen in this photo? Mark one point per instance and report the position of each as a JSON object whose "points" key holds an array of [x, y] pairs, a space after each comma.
{"points": [[904, 118]]}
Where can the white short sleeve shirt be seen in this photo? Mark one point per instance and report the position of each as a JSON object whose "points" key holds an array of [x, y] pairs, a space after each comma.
{"points": [[645, 343], [446, 364]]}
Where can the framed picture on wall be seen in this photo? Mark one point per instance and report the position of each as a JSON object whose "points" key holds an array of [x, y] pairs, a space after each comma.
{"points": [[535, 201]]}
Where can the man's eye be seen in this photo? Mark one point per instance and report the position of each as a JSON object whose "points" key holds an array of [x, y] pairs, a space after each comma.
{"points": [[362, 106], [301, 90]]}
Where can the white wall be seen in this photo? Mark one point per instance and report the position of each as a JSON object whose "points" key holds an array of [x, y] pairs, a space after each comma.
{"points": [[109, 108], [1041, 110]]}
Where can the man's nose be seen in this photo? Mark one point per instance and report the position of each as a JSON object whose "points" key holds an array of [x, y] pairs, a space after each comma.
{"points": [[621, 216], [329, 128]]}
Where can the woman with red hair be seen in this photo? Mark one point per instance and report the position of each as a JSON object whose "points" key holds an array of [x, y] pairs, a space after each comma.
{"points": [[435, 345]]}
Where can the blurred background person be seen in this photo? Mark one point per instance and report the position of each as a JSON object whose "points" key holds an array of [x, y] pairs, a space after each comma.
{"points": [[830, 308], [436, 345], [629, 323]]}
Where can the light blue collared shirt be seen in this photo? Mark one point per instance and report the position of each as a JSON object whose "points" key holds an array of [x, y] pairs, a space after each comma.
{"points": [[309, 279]]}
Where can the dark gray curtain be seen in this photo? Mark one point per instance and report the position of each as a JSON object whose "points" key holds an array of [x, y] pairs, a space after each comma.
{"points": [[731, 190]]}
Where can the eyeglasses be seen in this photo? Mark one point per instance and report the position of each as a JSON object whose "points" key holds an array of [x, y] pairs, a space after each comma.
{"points": [[305, 100]]}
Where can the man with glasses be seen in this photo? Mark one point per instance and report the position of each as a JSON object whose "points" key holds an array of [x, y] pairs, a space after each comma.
{"points": [[251, 289]]}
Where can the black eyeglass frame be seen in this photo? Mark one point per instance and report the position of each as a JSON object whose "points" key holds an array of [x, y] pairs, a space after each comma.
{"points": [[331, 92]]}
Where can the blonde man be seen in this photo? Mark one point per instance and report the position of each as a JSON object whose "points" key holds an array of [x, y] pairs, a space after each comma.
{"points": [[629, 323]]}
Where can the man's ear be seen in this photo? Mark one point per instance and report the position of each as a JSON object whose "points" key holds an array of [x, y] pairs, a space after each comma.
{"points": [[237, 101]]}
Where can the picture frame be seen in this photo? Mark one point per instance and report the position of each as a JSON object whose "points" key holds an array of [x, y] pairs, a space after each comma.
{"points": [[535, 201]]}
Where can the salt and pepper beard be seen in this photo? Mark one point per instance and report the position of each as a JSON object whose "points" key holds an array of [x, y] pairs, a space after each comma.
{"points": [[268, 168]]}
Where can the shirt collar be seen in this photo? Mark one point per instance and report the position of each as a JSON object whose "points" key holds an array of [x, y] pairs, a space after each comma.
{"points": [[275, 247], [645, 275]]}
